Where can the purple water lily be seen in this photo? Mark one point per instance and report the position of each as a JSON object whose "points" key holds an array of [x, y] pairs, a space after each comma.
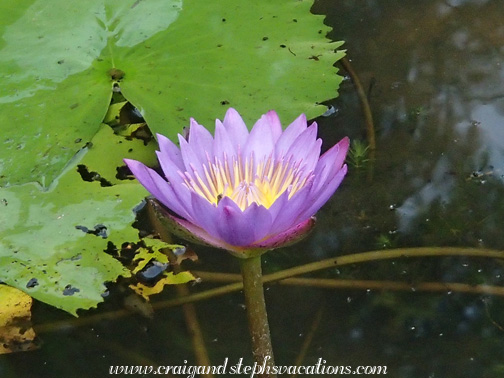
{"points": [[245, 192]]}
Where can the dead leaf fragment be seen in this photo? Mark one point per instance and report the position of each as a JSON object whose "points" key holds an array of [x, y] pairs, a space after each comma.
{"points": [[168, 279], [16, 332]]}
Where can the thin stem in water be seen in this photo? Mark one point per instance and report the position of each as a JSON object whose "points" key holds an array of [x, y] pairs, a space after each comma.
{"points": [[304, 269]]}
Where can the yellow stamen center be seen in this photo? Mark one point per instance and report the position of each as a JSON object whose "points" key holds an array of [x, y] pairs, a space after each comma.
{"points": [[245, 182]]}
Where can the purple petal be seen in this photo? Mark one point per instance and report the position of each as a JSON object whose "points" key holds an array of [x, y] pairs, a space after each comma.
{"points": [[306, 147], [274, 124], [259, 218], [183, 196], [311, 159], [296, 205], [236, 128], [330, 162], [261, 141], [190, 157], [179, 190], [170, 169], [205, 214], [159, 188], [287, 237], [232, 225], [342, 147], [201, 141], [223, 145], [289, 135], [240, 228], [278, 206], [169, 149], [320, 197]]}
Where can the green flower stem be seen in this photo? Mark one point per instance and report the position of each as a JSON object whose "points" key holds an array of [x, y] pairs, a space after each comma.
{"points": [[257, 315]]}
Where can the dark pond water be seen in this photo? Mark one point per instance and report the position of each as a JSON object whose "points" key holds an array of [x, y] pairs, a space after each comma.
{"points": [[434, 75]]}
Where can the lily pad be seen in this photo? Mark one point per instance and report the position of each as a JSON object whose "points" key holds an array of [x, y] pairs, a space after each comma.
{"points": [[47, 245]]}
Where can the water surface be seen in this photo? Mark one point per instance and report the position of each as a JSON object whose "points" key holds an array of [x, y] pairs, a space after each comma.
{"points": [[433, 74]]}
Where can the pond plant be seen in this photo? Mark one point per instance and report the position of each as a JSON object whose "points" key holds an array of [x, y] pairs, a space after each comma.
{"points": [[246, 193]]}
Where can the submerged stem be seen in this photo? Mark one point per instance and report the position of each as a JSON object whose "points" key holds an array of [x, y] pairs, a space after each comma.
{"points": [[189, 309], [257, 315], [368, 115]]}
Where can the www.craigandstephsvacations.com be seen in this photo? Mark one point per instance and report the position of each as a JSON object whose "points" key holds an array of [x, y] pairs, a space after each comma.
{"points": [[192, 371]]}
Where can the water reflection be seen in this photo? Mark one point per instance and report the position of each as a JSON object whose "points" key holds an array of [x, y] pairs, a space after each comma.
{"points": [[439, 90], [434, 70]]}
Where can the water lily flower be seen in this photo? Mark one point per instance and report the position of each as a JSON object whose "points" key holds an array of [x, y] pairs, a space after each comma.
{"points": [[245, 192]]}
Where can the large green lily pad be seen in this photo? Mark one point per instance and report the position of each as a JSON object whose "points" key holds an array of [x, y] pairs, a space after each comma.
{"points": [[44, 249], [173, 60]]}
